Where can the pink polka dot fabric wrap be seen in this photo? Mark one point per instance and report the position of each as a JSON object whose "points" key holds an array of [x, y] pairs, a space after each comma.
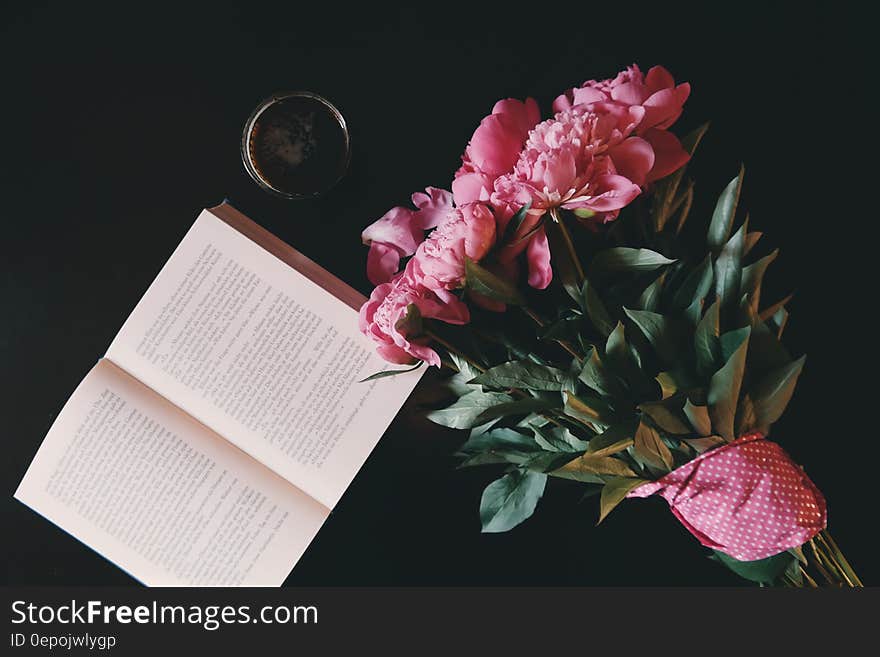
{"points": [[747, 499]]}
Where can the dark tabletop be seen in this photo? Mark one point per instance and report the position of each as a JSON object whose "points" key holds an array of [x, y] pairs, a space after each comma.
{"points": [[120, 125]]}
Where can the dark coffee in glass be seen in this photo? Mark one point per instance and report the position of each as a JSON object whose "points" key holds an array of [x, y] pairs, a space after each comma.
{"points": [[296, 145]]}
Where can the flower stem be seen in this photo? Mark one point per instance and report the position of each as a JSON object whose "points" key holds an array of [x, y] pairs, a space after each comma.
{"points": [[569, 244], [825, 558], [840, 562]]}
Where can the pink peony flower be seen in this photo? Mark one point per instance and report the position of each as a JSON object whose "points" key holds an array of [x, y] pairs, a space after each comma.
{"points": [[657, 94], [399, 231], [384, 319], [494, 148], [438, 263], [584, 157]]}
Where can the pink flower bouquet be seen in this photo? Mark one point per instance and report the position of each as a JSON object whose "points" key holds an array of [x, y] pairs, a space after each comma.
{"points": [[589, 341]]}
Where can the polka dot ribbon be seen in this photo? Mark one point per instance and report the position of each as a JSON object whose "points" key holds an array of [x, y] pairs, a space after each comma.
{"points": [[747, 499]]}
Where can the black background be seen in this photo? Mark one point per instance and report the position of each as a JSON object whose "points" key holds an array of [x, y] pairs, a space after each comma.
{"points": [[120, 124]]}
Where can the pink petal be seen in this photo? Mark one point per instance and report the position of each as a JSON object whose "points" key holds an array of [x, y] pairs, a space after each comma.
{"points": [[495, 145], [449, 309], [433, 206], [560, 172], [633, 159], [397, 228], [611, 192], [425, 353], [663, 108], [629, 93], [471, 187], [394, 354], [523, 115], [382, 263], [562, 102], [659, 78], [587, 95], [538, 257], [669, 155]]}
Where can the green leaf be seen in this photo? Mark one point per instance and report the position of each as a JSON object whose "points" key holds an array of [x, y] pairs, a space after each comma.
{"points": [[615, 438], [696, 286], [668, 386], [650, 298], [411, 322], [499, 439], [707, 345], [458, 383], [564, 328], [764, 571], [724, 388], [595, 309], [694, 312], [495, 457], [778, 321], [728, 270], [523, 374], [661, 332], [651, 449], [705, 443], [613, 493], [750, 241], [731, 341], [594, 375], [585, 467], [753, 275], [558, 439], [664, 417], [547, 461], [385, 373], [620, 360], [683, 204], [794, 572], [518, 407], [539, 225], [624, 258], [466, 411], [698, 416], [746, 420], [725, 210], [482, 281], [508, 501], [766, 352], [770, 311], [772, 393], [589, 410], [515, 222]]}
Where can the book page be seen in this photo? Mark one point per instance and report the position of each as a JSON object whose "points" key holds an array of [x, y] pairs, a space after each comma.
{"points": [[263, 355], [162, 496]]}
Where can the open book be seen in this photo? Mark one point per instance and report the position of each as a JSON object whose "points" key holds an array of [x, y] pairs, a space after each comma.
{"points": [[226, 419]]}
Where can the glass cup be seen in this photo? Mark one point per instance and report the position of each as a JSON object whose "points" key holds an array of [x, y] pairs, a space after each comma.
{"points": [[296, 145]]}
